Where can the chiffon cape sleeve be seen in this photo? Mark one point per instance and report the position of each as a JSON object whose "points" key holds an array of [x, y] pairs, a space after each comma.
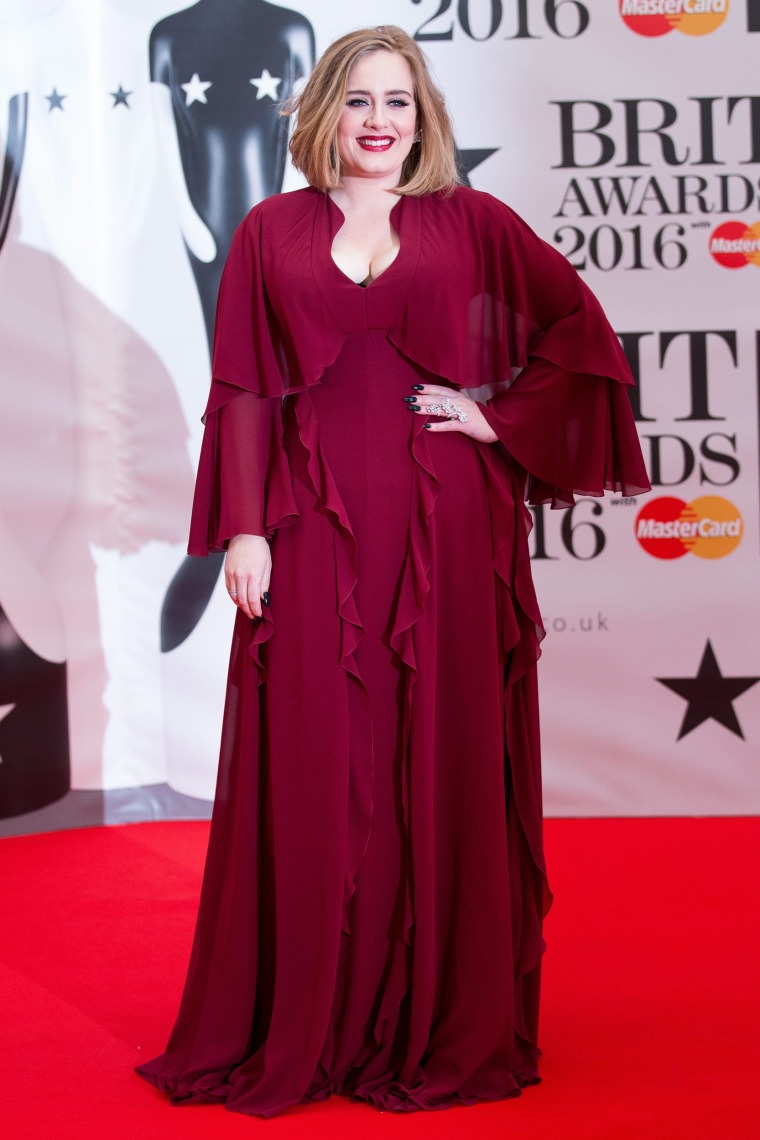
{"points": [[274, 336], [514, 325], [243, 484], [566, 416]]}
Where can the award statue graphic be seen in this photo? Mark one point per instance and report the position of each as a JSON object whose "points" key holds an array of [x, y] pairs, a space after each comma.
{"points": [[219, 72], [34, 732], [94, 463]]}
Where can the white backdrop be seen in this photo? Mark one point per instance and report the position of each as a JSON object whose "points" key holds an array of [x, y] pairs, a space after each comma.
{"points": [[631, 142]]}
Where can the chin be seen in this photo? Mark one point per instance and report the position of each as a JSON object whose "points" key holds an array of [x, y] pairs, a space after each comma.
{"points": [[377, 164]]}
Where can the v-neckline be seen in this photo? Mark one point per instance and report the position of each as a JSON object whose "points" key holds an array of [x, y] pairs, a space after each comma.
{"points": [[379, 304], [334, 230]]}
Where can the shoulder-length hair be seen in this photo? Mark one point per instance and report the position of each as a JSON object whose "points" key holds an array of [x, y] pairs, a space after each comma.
{"points": [[431, 163]]}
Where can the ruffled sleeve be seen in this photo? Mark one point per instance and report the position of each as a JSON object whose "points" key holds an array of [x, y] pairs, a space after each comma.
{"points": [[565, 417], [573, 434], [243, 484], [517, 328]]}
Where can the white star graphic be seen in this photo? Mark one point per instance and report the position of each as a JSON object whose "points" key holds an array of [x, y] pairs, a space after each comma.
{"points": [[4, 710], [195, 90], [266, 84]]}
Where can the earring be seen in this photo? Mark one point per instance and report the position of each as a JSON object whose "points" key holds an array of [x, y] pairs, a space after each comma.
{"points": [[418, 136]]}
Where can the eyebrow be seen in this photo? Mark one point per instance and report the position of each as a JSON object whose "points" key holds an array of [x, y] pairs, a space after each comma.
{"points": [[399, 92]]}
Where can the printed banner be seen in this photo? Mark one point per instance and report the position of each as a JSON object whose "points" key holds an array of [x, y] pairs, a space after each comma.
{"points": [[135, 135]]}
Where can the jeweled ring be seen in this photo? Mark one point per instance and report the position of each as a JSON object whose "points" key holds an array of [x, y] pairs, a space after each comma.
{"points": [[446, 408], [232, 593]]}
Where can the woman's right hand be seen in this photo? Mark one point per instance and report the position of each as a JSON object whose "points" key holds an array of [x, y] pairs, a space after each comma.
{"points": [[247, 570]]}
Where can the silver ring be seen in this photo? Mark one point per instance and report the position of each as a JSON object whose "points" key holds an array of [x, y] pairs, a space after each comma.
{"points": [[232, 593], [447, 408]]}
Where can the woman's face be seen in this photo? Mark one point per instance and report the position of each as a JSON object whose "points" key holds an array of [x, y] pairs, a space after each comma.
{"points": [[379, 120]]}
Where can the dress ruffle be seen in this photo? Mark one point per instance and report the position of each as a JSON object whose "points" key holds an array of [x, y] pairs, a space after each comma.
{"points": [[351, 631]]}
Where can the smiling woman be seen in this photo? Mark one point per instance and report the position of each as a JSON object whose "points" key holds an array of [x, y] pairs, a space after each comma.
{"points": [[371, 915]]}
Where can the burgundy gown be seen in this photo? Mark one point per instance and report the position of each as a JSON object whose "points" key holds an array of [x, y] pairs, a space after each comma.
{"points": [[371, 912]]}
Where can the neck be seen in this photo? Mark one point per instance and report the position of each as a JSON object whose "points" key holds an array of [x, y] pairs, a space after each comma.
{"points": [[362, 192]]}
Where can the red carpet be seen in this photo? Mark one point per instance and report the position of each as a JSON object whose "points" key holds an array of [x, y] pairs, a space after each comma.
{"points": [[650, 1018]]}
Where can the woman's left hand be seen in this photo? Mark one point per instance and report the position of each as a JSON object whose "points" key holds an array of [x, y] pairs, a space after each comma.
{"points": [[427, 396]]}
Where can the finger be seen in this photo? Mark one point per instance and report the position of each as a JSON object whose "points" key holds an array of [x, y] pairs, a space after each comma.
{"points": [[435, 390], [250, 609], [245, 605], [446, 425], [427, 401], [426, 407], [244, 597], [254, 599], [455, 400]]}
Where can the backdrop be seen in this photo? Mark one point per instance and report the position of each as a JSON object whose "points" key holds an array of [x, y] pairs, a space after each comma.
{"points": [[136, 134]]}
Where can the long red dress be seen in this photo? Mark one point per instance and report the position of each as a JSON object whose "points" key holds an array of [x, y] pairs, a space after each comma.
{"points": [[371, 911]]}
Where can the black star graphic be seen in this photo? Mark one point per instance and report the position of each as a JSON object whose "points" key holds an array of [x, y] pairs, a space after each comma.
{"points": [[55, 100], [120, 97], [710, 695], [467, 160]]}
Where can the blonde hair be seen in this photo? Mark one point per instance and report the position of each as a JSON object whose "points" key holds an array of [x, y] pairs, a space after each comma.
{"points": [[431, 163]]}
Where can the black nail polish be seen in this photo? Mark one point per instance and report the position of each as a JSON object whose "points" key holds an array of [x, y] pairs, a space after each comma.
{"points": [[410, 399], [426, 426], [265, 597], [417, 387], [414, 407]]}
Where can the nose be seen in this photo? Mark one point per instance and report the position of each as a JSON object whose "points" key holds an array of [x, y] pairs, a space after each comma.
{"points": [[376, 116]]}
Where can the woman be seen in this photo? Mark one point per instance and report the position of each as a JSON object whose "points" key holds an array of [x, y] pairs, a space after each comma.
{"points": [[370, 920]]}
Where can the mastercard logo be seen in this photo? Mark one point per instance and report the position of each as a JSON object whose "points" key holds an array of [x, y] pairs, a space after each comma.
{"points": [[709, 527], [735, 244], [658, 17]]}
